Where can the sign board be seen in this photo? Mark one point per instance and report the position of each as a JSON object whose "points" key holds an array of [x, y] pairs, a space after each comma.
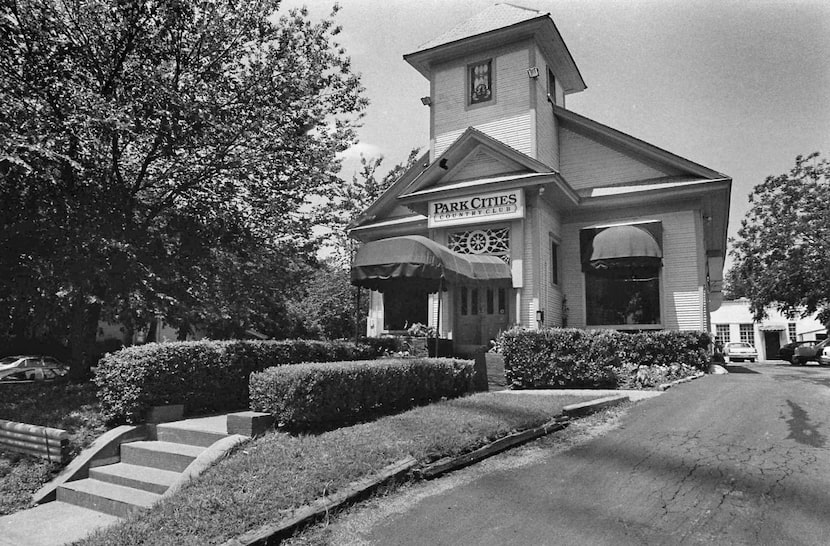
{"points": [[477, 208]]}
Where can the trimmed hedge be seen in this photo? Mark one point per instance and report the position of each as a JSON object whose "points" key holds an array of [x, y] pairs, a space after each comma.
{"points": [[205, 376], [570, 358], [321, 396]]}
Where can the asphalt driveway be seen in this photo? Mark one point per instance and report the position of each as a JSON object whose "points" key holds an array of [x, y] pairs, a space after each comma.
{"points": [[735, 459]]}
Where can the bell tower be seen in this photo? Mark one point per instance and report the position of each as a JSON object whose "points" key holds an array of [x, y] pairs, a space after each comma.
{"points": [[499, 72]]}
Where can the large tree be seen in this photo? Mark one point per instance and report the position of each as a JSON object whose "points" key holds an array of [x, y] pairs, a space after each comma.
{"points": [[351, 198], [782, 253], [155, 158]]}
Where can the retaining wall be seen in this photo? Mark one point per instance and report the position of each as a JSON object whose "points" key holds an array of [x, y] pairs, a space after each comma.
{"points": [[48, 443]]}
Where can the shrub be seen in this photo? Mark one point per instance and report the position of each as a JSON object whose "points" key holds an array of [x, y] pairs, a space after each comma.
{"points": [[205, 376], [317, 396], [573, 358]]}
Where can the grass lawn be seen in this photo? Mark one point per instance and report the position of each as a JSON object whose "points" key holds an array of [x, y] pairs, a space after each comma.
{"points": [[269, 477], [73, 408]]}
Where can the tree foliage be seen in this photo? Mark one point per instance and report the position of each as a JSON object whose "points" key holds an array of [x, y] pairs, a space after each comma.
{"points": [[155, 157], [782, 253], [733, 285], [348, 200], [327, 305]]}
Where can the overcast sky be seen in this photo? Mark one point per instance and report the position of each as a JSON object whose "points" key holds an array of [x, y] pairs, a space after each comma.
{"points": [[741, 87]]}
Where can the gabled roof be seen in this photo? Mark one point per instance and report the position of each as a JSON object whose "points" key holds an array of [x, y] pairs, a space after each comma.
{"points": [[464, 145], [437, 182], [598, 131], [424, 182]]}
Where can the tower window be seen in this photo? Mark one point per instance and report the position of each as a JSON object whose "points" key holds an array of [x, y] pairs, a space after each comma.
{"points": [[551, 87], [480, 76]]}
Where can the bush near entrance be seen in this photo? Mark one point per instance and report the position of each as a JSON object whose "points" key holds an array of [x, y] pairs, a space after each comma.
{"points": [[205, 376], [571, 358], [317, 396]]}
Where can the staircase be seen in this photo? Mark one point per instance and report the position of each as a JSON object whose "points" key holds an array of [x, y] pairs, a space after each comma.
{"points": [[146, 470]]}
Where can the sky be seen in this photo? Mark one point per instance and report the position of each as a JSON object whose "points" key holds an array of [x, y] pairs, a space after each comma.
{"points": [[741, 87]]}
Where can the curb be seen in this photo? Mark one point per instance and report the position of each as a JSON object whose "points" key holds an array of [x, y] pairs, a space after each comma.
{"points": [[591, 406], [448, 464], [667, 386], [305, 514], [268, 534]]}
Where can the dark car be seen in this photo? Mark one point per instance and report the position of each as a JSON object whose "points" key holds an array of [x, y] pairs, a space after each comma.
{"points": [[786, 351], [808, 352]]}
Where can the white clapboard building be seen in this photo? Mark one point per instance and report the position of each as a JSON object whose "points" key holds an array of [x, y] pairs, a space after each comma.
{"points": [[526, 213]]}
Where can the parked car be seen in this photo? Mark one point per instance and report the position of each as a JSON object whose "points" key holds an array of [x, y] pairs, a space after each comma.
{"points": [[786, 351], [738, 351], [29, 374], [808, 352], [30, 361], [824, 357]]}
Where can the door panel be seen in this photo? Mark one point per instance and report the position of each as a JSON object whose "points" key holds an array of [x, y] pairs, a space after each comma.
{"points": [[467, 316], [481, 312], [495, 316]]}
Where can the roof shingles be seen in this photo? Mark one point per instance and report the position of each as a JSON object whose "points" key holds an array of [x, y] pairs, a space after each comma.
{"points": [[493, 18]]}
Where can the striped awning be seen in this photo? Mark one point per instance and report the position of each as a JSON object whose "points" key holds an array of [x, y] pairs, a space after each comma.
{"points": [[423, 262]]}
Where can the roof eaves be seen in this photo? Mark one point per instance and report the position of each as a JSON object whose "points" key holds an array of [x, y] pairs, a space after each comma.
{"points": [[395, 189], [469, 134]]}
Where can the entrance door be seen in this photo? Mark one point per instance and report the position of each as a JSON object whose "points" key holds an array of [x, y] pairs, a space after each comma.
{"points": [[481, 312], [772, 342]]}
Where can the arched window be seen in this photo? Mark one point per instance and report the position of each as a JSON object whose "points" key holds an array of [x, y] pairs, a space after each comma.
{"points": [[622, 274]]}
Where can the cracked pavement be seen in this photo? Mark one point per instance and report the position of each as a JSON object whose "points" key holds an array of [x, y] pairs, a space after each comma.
{"points": [[734, 459]]}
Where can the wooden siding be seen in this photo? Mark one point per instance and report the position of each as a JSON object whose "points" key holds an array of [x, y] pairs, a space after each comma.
{"points": [[530, 294], [549, 229], [681, 304], [586, 163], [513, 131], [502, 118], [446, 312], [547, 137], [481, 164]]}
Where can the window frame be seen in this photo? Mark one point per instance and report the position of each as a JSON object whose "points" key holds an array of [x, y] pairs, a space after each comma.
{"points": [[551, 83], [650, 326], [744, 328], [554, 245], [468, 86]]}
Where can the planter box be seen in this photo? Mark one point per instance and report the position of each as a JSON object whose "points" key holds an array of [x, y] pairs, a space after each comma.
{"points": [[444, 347], [491, 366], [165, 414]]}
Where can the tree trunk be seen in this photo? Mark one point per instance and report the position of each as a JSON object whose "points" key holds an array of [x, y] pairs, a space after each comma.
{"points": [[82, 334]]}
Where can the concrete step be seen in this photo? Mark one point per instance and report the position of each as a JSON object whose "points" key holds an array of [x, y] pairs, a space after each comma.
{"points": [[170, 432], [108, 498], [163, 455], [154, 480]]}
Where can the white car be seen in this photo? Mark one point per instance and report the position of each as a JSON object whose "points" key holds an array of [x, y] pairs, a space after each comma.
{"points": [[738, 351], [30, 361]]}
